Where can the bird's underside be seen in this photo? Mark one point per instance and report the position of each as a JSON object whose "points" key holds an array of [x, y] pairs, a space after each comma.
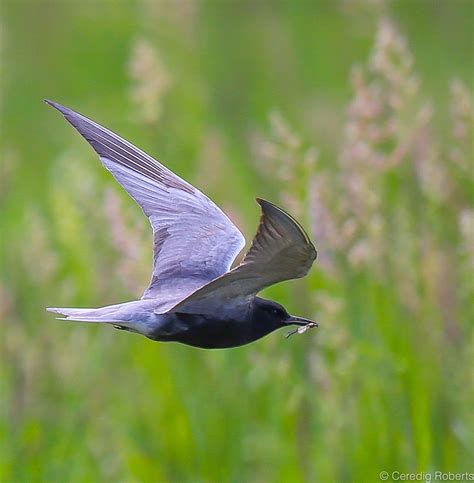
{"points": [[192, 288]]}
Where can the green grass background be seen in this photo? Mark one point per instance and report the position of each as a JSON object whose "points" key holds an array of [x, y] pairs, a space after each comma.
{"points": [[379, 386]]}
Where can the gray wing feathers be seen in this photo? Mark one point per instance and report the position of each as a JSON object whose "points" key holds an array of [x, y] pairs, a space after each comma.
{"points": [[194, 241], [280, 251], [280, 243]]}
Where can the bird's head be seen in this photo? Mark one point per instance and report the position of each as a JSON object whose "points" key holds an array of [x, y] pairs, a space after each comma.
{"points": [[272, 315]]}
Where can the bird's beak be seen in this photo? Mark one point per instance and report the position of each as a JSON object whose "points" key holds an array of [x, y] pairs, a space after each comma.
{"points": [[292, 320]]}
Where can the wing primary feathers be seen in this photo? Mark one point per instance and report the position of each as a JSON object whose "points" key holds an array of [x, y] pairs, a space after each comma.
{"points": [[124, 152]]}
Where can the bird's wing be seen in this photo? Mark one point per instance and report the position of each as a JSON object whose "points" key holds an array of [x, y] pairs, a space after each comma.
{"points": [[281, 250], [194, 241]]}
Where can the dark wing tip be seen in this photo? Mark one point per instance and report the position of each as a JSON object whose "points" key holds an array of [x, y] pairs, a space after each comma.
{"points": [[57, 106], [263, 202], [69, 114], [269, 208]]}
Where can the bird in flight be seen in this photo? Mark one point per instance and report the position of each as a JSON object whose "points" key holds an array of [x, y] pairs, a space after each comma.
{"points": [[194, 297]]}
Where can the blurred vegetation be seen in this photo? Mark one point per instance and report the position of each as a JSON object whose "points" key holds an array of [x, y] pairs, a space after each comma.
{"points": [[356, 116]]}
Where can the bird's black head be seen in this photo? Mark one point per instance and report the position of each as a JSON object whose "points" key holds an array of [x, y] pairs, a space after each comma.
{"points": [[268, 316]]}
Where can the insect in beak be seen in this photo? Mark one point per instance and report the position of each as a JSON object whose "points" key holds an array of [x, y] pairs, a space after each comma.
{"points": [[304, 325]]}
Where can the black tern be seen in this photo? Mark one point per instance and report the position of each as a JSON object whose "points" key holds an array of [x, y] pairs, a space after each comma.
{"points": [[194, 297]]}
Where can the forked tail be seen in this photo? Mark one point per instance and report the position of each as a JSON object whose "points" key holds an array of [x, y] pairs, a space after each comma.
{"points": [[135, 316], [85, 315]]}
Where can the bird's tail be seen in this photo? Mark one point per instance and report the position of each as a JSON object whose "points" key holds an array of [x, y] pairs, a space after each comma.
{"points": [[102, 315], [136, 316]]}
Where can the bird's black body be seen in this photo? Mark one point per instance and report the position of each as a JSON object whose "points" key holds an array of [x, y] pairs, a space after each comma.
{"points": [[194, 296], [232, 329]]}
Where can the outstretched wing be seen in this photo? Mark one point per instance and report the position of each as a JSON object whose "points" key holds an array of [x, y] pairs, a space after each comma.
{"points": [[194, 241], [281, 250]]}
